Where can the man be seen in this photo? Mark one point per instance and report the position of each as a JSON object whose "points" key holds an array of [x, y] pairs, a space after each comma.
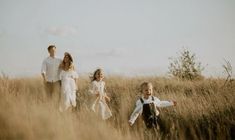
{"points": [[50, 73]]}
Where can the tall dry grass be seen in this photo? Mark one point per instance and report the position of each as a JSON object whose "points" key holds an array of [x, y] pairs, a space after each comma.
{"points": [[205, 110]]}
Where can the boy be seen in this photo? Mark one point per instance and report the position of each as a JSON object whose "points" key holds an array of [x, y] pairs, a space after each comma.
{"points": [[147, 106]]}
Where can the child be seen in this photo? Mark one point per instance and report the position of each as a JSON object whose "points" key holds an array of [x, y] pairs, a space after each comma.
{"points": [[68, 77], [97, 90], [146, 105]]}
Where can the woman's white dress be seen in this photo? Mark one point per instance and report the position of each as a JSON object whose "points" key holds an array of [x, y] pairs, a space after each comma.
{"points": [[99, 104], [68, 89]]}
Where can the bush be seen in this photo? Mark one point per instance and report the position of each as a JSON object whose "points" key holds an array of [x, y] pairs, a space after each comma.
{"points": [[185, 66]]}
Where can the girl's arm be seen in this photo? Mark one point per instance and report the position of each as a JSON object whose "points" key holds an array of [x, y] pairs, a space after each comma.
{"points": [[107, 98], [136, 112]]}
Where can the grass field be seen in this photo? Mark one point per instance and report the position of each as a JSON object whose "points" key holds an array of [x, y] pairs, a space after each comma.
{"points": [[205, 110]]}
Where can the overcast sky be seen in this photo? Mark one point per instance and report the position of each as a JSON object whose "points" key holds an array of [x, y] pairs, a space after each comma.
{"points": [[131, 37]]}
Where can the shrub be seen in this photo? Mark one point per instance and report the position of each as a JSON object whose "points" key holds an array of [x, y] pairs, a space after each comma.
{"points": [[185, 66]]}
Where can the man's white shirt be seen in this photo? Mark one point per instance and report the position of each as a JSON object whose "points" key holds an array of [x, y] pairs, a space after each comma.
{"points": [[50, 67]]}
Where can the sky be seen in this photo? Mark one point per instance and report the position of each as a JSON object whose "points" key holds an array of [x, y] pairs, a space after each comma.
{"points": [[124, 37]]}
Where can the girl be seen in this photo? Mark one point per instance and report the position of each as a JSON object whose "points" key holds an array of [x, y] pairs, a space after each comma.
{"points": [[97, 90], [68, 77]]}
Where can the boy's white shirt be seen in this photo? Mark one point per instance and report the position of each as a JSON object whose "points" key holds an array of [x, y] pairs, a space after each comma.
{"points": [[139, 106]]}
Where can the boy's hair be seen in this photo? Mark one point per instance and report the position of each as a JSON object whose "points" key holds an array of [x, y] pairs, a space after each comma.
{"points": [[93, 78], [50, 47], [145, 84]]}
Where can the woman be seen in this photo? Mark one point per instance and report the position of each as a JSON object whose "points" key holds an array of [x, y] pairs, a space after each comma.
{"points": [[68, 77]]}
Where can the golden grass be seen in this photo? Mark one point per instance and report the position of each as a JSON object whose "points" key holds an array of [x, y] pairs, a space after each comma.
{"points": [[205, 110]]}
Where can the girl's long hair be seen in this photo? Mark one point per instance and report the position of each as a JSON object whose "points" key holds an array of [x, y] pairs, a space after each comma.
{"points": [[93, 76]]}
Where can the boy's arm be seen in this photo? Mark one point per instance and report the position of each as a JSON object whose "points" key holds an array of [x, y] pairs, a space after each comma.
{"points": [[164, 103], [136, 112]]}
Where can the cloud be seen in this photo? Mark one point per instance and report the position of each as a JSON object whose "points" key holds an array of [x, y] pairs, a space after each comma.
{"points": [[110, 53], [61, 31]]}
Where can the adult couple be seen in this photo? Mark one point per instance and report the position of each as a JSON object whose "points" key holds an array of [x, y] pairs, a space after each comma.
{"points": [[60, 79]]}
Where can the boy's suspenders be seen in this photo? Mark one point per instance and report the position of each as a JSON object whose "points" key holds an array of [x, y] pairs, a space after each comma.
{"points": [[157, 109], [142, 101]]}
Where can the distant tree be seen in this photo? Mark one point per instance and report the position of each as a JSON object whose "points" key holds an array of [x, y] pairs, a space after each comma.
{"points": [[185, 66]]}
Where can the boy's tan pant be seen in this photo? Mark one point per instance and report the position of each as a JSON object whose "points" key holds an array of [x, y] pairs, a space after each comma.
{"points": [[53, 91]]}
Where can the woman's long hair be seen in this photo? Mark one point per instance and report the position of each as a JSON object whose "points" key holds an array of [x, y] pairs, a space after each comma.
{"points": [[71, 66]]}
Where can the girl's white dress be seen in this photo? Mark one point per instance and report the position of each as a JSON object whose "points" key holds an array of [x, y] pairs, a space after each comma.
{"points": [[99, 104], [68, 89]]}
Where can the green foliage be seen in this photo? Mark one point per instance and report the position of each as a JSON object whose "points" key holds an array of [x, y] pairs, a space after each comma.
{"points": [[185, 66]]}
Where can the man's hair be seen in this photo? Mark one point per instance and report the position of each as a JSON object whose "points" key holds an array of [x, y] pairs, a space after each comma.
{"points": [[50, 47]]}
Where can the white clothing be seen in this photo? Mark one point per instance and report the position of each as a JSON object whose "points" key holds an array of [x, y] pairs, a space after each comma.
{"points": [[68, 89], [50, 67], [139, 106], [99, 104]]}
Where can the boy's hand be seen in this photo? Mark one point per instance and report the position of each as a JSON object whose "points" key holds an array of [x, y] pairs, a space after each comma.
{"points": [[130, 123], [174, 103]]}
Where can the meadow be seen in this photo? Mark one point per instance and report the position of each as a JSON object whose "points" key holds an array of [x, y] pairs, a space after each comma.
{"points": [[205, 110]]}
